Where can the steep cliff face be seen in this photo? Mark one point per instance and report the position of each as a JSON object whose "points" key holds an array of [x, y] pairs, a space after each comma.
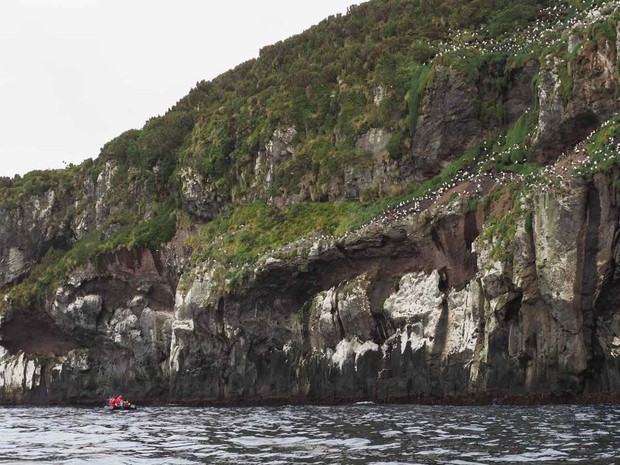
{"points": [[396, 312], [108, 325], [496, 278], [25, 234], [571, 110]]}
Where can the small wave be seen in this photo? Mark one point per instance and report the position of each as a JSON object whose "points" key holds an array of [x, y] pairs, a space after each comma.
{"points": [[373, 434]]}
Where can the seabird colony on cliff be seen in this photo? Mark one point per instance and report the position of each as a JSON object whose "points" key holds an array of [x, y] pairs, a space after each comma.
{"points": [[549, 177]]}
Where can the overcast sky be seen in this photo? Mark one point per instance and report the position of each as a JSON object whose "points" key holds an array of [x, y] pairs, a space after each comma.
{"points": [[74, 74]]}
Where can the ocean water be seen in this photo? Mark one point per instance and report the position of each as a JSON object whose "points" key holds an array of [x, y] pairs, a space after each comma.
{"points": [[353, 434]]}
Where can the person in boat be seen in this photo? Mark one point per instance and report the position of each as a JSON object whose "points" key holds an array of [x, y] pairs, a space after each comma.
{"points": [[124, 404], [116, 402]]}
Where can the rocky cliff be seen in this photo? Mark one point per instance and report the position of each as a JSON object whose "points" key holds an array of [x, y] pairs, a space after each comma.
{"points": [[487, 270]]}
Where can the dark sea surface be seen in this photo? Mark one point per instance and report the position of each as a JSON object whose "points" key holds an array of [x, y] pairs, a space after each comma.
{"points": [[361, 433]]}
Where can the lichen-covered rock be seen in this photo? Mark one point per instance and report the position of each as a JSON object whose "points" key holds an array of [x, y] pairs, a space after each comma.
{"points": [[24, 235], [18, 374], [448, 125], [200, 197], [569, 111], [278, 149], [203, 290], [418, 301], [81, 315], [519, 96], [341, 312], [378, 171], [103, 187]]}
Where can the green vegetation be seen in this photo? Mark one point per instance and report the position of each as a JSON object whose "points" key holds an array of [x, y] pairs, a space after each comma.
{"points": [[244, 233], [371, 68], [421, 79], [50, 272], [326, 95], [450, 172], [511, 150], [66, 182], [501, 228], [603, 149]]}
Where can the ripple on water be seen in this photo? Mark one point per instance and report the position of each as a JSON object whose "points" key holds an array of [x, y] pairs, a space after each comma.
{"points": [[379, 435], [540, 456]]}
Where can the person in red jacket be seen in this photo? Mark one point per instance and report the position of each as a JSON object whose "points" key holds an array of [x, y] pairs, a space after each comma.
{"points": [[116, 401]]}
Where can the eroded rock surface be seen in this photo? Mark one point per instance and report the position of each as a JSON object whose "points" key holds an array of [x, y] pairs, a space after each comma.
{"points": [[414, 306]]}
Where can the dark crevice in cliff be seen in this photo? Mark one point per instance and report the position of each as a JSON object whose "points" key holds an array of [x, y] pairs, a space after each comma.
{"points": [[604, 313], [513, 308], [444, 282], [305, 327], [471, 231], [63, 241], [569, 133], [219, 315], [387, 257], [587, 256], [378, 293], [481, 336], [437, 240], [103, 317], [441, 334], [505, 367], [336, 315], [615, 253], [531, 286], [575, 129], [586, 282]]}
